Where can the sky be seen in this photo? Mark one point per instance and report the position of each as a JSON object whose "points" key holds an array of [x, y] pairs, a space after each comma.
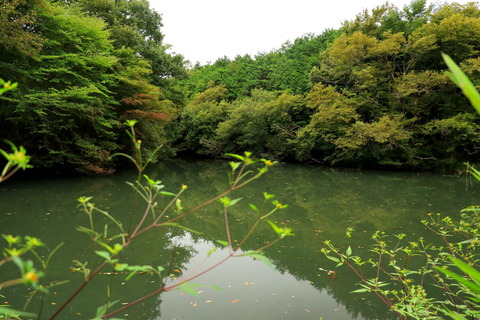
{"points": [[205, 30]]}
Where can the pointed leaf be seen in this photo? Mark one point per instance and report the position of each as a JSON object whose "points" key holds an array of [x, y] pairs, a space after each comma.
{"points": [[236, 156], [190, 288], [232, 202], [349, 251], [235, 165], [103, 254], [462, 81], [223, 243], [333, 258], [6, 310], [259, 256], [360, 290], [164, 193]]}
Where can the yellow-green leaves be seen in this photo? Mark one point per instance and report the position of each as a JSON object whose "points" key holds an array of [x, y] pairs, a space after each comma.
{"points": [[7, 86], [227, 202], [83, 200], [16, 159], [130, 123], [281, 232], [11, 240], [245, 159]]}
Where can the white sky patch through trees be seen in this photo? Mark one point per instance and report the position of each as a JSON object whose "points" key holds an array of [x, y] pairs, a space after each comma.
{"points": [[205, 30]]}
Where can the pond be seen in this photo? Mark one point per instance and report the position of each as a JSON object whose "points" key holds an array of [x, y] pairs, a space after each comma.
{"points": [[323, 203]]}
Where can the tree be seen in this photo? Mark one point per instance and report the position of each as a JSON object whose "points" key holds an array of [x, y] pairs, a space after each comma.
{"points": [[200, 119], [17, 20], [389, 64], [134, 25], [278, 70], [63, 110]]}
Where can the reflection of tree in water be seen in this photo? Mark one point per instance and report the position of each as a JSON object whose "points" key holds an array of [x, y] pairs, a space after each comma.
{"points": [[322, 204], [156, 249]]}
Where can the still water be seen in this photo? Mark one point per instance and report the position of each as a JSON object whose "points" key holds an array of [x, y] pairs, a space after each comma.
{"points": [[323, 203]]}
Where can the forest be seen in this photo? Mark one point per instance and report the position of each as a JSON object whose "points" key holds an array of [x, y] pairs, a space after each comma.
{"points": [[371, 94]]}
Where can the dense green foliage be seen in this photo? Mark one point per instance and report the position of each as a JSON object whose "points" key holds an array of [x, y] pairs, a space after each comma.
{"points": [[372, 93], [376, 93], [412, 297], [284, 69], [82, 68]]}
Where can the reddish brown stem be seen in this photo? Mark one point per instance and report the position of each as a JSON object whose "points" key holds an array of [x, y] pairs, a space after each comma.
{"points": [[79, 289], [163, 289]]}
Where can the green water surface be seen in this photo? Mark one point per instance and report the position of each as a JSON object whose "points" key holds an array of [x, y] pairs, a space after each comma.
{"points": [[323, 203]]}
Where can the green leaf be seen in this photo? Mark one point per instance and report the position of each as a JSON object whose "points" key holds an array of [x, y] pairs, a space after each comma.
{"points": [[275, 228], [333, 258], [281, 232], [462, 81], [236, 156], [232, 202], [223, 243], [190, 288], [468, 270], [454, 315], [103, 254], [360, 290], [472, 286], [137, 269], [227, 202], [258, 255], [349, 251], [234, 165], [102, 310], [253, 207], [121, 266], [268, 196], [178, 205], [165, 193], [209, 253], [8, 311]]}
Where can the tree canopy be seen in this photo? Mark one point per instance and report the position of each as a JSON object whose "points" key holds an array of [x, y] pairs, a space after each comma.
{"points": [[83, 67], [372, 93], [376, 93]]}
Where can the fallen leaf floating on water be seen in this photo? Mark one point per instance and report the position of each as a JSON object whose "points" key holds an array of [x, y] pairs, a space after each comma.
{"points": [[208, 301], [234, 301], [194, 304]]}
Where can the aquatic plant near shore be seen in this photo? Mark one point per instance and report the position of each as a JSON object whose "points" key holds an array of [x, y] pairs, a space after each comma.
{"points": [[403, 269]]}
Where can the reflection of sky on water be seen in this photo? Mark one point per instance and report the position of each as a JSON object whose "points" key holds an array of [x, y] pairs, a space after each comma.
{"points": [[250, 290]]}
